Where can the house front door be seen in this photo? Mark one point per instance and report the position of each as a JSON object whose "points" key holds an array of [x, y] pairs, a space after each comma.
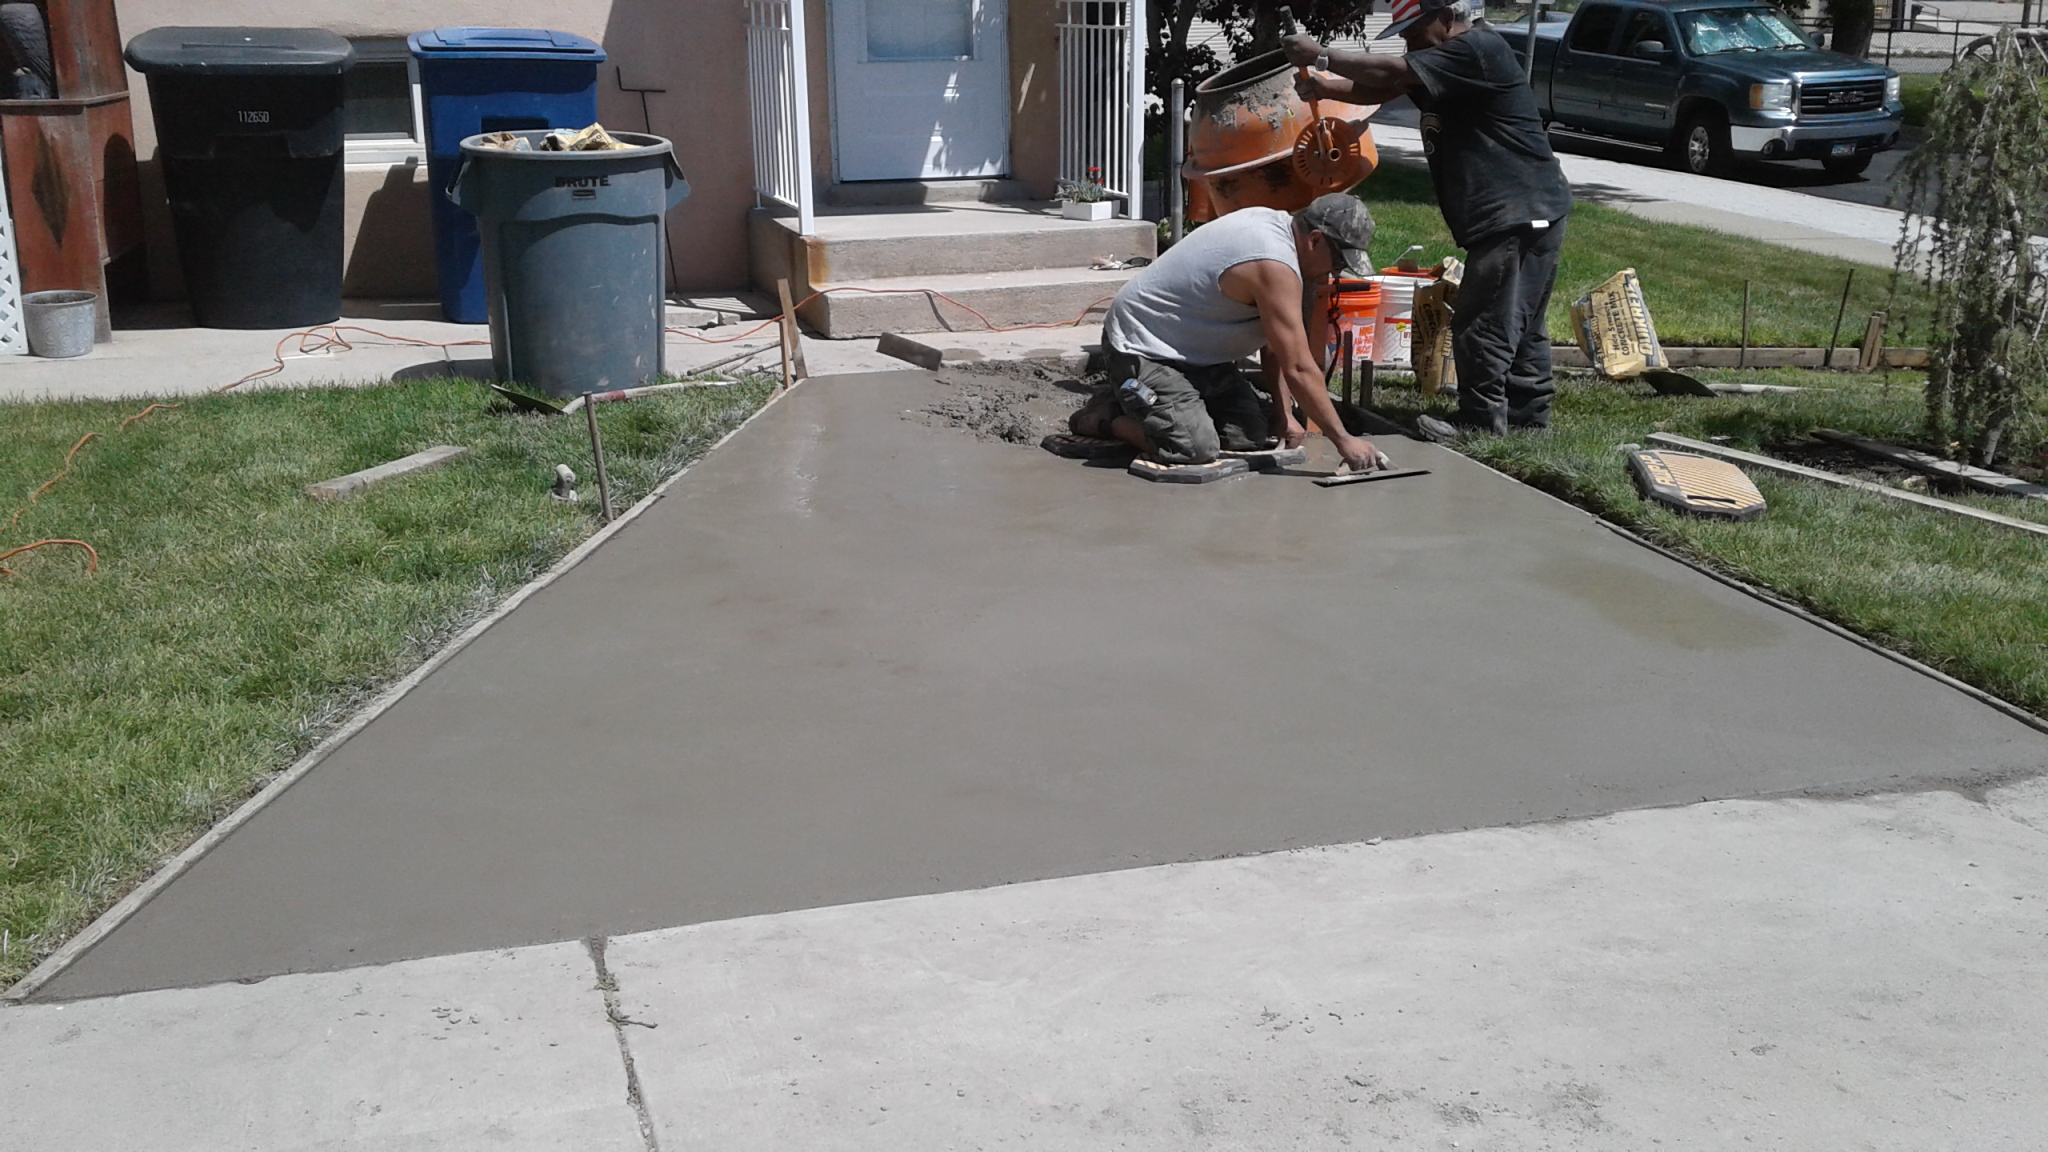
{"points": [[920, 89]]}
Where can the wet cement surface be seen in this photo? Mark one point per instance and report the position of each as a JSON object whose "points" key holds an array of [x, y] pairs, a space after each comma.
{"points": [[854, 655]]}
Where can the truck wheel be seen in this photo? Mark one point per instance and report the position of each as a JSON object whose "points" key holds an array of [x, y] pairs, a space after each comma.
{"points": [[1847, 165], [1703, 145]]}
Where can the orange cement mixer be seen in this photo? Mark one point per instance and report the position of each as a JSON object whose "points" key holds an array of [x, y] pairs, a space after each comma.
{"points": [[1248, 120]]}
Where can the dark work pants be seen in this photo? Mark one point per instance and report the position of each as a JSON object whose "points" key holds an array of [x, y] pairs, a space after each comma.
{"points": [[1498, 336]]}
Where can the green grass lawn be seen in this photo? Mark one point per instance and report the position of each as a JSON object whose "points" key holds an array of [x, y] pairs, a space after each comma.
{"points": [[233, 620], [1692, 277], [1916, 92], [1970, 599]]}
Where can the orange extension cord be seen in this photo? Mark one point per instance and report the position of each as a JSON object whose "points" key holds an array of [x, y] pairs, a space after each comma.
{"points": [[329, 338]]}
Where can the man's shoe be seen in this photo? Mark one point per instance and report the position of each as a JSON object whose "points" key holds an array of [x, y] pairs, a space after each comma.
{"points": [[1437, 431]]}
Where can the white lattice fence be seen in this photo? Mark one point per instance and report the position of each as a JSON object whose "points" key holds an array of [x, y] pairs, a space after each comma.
{"points": [[1102, 108], [779, 98], [13, 337]]}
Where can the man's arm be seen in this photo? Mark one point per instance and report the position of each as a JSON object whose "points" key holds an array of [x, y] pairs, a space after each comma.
{"points": [[1275, 290], [1361, 77]]}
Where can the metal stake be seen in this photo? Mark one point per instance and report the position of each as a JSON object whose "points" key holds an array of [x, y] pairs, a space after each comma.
{"points": [[1529, 59], [1347, 365], [647, 119], [1176, 158], [1828, 360], [1742, 357], [604, 482]]}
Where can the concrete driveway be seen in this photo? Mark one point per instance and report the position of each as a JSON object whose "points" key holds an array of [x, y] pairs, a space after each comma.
{"points": [[855, 656]]}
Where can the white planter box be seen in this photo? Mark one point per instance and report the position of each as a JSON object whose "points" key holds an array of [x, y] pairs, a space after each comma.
{"points": [[1088, 209]]}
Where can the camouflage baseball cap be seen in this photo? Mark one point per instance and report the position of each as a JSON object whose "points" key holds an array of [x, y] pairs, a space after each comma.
{"points": [[1348, 223]]}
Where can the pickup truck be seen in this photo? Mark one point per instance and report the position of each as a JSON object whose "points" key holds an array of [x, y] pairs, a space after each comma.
{"points": [[1707, 81]]}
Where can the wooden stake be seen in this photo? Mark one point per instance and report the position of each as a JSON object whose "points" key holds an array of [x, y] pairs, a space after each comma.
{"points": [[1873, 344], [1365, 385], [1828, 361], [1742, 360], [604, 482], [792, 337]]}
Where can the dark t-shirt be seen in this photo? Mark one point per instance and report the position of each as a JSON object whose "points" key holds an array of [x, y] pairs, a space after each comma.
{"points": [[1488, 153]]}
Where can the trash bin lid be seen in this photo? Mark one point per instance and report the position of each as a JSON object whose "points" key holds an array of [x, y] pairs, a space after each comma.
{"points": [[502, 43], [241, 52]]}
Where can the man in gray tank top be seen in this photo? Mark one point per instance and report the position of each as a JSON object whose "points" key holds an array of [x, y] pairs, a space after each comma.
{"points": [[1178, 328]]}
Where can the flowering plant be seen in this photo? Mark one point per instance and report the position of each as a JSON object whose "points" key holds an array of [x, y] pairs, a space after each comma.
{"points": [[1086, 191]]}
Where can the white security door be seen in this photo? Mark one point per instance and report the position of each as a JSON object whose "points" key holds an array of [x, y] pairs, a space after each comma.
{"points": [[920, 89]]}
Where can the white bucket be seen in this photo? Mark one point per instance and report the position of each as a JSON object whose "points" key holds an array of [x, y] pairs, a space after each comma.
{"points": [[1392, 332]]}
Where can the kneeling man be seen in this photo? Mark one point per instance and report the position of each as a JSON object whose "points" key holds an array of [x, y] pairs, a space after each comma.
{"points": [[1179, 327]]}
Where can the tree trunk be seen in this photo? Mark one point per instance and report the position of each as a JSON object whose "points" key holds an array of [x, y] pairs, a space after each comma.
{"points": [[1853, 22]]}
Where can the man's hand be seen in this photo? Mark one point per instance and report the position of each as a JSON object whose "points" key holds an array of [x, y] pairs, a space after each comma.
{"points": [[1302, 49], [1360, 455], [1289, 429], [1322, 86]]}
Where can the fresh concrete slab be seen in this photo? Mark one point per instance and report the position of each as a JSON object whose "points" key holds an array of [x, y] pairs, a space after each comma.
{"points": [[1792, 974], [854, 656], [505, 1050]]}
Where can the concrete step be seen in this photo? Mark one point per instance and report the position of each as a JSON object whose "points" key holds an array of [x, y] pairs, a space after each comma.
{"points": [[935, 240], [887, 193], [912, 304]]}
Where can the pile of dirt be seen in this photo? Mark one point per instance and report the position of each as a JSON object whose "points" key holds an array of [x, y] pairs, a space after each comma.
{"points": [[1011, 402]]}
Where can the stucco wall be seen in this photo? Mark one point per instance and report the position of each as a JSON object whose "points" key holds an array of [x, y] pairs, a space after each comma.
{"points": [[696, 49]]}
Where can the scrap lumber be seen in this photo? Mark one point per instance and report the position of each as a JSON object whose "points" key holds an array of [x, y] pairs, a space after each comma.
{"points": [[1801, 472], [343, 487], [1683, 357], [915, 352], [1981, 479]]}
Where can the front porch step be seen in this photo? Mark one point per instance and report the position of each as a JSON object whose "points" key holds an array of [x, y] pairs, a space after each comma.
{"points": [[935, 240], [907, 304], [897, 193]]}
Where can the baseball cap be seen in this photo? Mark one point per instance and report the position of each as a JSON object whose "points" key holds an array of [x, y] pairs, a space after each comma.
{"points": [[1348, 223], [1407, 12]]}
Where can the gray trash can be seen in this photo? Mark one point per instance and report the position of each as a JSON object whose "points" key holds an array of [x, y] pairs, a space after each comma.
{"points": [[573, 249]]}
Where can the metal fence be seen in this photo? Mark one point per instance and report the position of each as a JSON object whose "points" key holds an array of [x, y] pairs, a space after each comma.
{"points": [[1102, 108], [779, 97]]}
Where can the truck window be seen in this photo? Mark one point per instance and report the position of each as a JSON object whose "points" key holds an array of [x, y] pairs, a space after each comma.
{"points": [[1643, 24], [1593, 28], [1710, 31]]}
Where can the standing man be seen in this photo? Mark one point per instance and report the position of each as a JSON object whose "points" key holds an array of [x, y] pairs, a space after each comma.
{"points": [[1176, 330], [1497, 184]]}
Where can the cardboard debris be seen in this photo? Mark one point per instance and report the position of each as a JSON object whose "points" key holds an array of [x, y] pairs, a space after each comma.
{"points": [[591, 139], [505, 142], [1613, 325], [1430, 350]]}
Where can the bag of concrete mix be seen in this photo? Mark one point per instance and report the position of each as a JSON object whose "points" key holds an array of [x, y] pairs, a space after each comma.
{"points": [[1430, 351], [1614, 329]]}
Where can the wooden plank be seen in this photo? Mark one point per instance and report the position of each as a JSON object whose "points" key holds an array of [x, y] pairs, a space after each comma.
{"points": [[903, 348], [343, 487], [1981, 479], [792, 334], [1873, 344], [1569, 356], [1801, 472]]}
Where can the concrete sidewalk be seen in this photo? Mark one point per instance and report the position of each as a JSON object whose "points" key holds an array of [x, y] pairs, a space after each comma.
{"points": [[1797, 973]]}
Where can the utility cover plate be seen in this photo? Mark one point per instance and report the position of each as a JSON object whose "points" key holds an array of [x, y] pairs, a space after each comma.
{"points": [[1695, 485]]}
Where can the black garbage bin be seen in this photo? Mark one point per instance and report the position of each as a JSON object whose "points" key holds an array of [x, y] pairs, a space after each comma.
{"points": [[248, 126]]}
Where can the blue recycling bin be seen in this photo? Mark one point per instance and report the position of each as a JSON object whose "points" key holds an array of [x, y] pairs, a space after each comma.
{"points": [[477, 80]]}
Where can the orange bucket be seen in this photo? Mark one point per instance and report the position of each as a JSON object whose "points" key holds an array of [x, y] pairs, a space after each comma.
{"points": [[1354, 308]]}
